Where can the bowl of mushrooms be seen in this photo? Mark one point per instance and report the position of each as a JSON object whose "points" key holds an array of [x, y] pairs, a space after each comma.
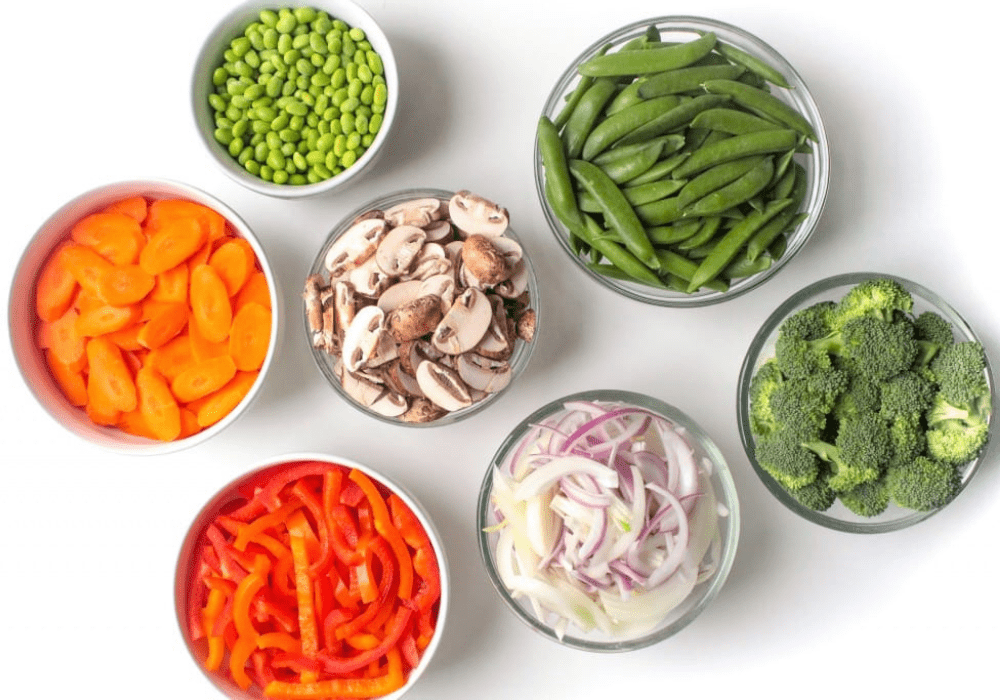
{"points": [[421, 306]]}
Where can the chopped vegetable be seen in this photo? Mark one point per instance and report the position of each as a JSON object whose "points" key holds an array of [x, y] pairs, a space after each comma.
{"points": [[607, 519], [302, 585], [169, 301]]}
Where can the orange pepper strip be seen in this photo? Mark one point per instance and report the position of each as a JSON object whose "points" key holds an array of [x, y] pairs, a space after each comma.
{"points": [[246, 642], [209, 614], [279, 640], [249, 533], [308, 636], [385, 527], [391, 681], [309, 500]]}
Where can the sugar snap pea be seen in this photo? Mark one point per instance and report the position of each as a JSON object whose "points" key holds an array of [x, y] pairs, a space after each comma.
{"points": [[671, 143], [581, 122], [737, 147], [740, 190], [687, 79], [635, 194], [752, 63], [762, 103], [706, 232], [672, 234], [683, 268], [621, 123], [763, 238], [624, 169], [668, 121], [653, 60], [715, 177], [619, 214], [618, 255], [733, 121], [659, 171], [558, 183], [574, 97]]}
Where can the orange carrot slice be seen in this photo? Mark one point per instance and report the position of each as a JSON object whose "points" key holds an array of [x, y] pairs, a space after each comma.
{"points": [[109, 381], [234, 261], [116, 237], [87, 300], [255, 290], [250, 337], [70, 380], [126, 338], [174, 241], [121, 285], [133, 423], [55, 288], [171, 285], [158, 405], [212, 223], [99, 412], [61, 338], [163, 326], [203, 378], [210, 305], [84, 265], [106, 319], [172, 358], [135, 207], [189, 423], [203, 349], [216, 406]]}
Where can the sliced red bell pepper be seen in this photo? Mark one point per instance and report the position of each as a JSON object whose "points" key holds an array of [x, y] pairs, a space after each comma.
{"points": [[425, 562], [383, 525], [269, 495], [387, 591], [342, 666]]}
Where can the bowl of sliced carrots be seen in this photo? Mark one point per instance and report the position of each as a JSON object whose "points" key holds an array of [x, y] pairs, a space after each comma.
{"points": [[143, 316], [312, 576]]}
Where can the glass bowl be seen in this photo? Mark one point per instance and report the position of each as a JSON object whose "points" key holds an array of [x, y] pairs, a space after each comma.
{"points": [[24, 322], [709, 574], [213, 54], [524, 307], [838, 517], [816, 163], [190, 568]]}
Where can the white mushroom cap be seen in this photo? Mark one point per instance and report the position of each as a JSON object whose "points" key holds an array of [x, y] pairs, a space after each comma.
{"points": [[443, 386], [363, 337], [474, 214], [465, 324], [415, 212], [354, 246], [398, 249], [483, 373]]}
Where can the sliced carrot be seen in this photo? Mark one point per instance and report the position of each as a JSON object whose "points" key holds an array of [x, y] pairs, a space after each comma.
{"points": [[162, 210], [157, 404], [55, 287], [171, 285], [126, 338], [173, 242], [164, 325], [234, 261], [201, 257], [121, 285], [216, 406], [189, 423], [173, 357], [135, 359], [135, 207], [250, 337], [106, 319], [61, 338], [70, 380], [99, 412], [116, 237], [203, 349], [109, 381], [84, 264], [134, 423], [211, 308], [87, 300], [256, 289], [203, 378]]}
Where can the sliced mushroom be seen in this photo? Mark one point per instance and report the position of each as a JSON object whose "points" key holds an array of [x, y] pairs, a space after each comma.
{"points": [[344, 306], [398, 248], [442, 286], [415, 318], [443, 386], [331, 340], [368, 279], [422, 410], [363, 337], [498, 341], [474, 214], [399, 380], [465, 324], [431, 260], [438, 231], [484, 260], [411, 354], [398, 294], [311, 294], [377, 397], [526, 325], [386, 351], [415, 212], [354, 246], [515, 285], [483, 373]]}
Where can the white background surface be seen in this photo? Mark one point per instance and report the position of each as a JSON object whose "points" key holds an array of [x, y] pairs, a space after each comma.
{"points": [[96, 92]]}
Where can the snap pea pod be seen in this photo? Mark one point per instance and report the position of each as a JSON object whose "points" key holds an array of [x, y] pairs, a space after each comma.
{"points": [[763, 103], [574, 97], [662, 211], [659, 171], [636, 194], [653, 60], [667, 121], [737, 147], [733, 121], [687, 79], [624, 169], [761, 68], [740, 190], [715, 177], [627, 120], [618, 255], [614, 272], [581, 122], [681, 267], [672, 234], [618, 213], [706, 232], [730, 245], [671, 143], [558, 183], [767, 234], [741, 267]]}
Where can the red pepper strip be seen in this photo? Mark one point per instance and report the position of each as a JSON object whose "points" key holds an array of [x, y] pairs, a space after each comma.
{"points": [[225, 615], [363, 579], [310, 501], [279, 640], [262, 671], [332, 483], [253, 508], [209, 562], [270, 494], [425, 562], [408, 648], [250, 532], [216, 644], [425, 625], [229, 563], [365, 524], [386, 592], [383, 525], [363, 641], [351, 495], [297, 527], [265, 609], [392, 681], [333, 619], [341, 666], [343, 535], [302, 665], [246, 642]]}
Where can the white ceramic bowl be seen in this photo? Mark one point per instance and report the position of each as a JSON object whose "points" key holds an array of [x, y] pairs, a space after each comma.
{"points": [[23, 320], [211, 56]]}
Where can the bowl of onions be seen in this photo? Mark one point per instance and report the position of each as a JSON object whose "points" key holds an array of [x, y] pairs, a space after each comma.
{"points": [[608, 520]]}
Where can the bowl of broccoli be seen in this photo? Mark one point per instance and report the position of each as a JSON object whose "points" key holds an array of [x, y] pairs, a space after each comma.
{"points": [[865, 403]]}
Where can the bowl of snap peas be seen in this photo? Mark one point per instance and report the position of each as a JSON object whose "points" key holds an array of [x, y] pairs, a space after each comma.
{"points": [[295, 100], [681, 161]]}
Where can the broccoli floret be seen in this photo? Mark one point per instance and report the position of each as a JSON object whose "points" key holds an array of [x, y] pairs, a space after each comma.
{"points": [[933, 328], [923, 484], [783, 456], [817, 496], [908, 394], [793, 345], [859, 453], [767, 379], [877, 298], [958, 419], [908, 436], [800, 409], [868, 499], [862, 395]]}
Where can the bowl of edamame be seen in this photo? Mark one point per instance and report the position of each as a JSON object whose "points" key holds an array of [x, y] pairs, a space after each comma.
{"points": [[297, 100], [685, 173]]}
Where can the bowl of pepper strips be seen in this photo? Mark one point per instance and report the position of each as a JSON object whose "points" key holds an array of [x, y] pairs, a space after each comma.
{"points": [[311, 577]]}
